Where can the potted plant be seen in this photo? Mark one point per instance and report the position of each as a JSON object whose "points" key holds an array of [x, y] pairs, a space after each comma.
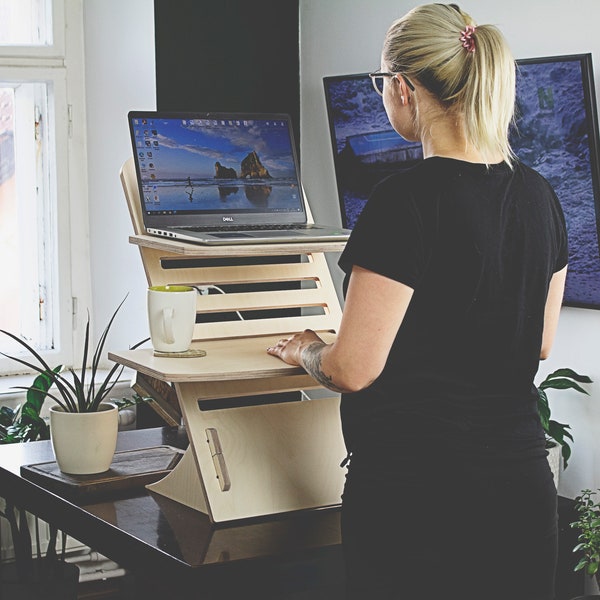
{"points": [[25, 423], [558, 434], [83, 427], [588, 525]]}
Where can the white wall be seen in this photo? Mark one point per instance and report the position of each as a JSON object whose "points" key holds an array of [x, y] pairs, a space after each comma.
{"points": [[344, 36], [120, 76]]}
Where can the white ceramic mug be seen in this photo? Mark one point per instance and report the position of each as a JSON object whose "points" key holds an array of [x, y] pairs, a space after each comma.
{"points": [[171, 316]]}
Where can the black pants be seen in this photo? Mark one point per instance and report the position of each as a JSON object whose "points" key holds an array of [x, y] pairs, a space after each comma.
{"points": [[464, 532]]}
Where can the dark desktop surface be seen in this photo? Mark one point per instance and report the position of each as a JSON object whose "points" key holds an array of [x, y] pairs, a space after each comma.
{"points": [[172, 549]]}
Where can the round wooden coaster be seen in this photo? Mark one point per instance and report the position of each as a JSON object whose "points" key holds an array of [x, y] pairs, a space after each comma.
{"points": [[191, 353]]}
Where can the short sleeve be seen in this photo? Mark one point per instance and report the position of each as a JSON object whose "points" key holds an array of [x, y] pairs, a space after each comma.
{"points": [[388, 237]]}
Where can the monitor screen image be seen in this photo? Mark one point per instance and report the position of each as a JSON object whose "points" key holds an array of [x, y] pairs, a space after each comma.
{"points": [[214, 163], [556, 133]]}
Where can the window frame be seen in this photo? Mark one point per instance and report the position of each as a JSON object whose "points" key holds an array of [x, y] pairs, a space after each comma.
{"points": [[61, 65]]}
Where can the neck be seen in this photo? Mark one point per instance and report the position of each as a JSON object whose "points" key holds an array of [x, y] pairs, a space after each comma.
{"points": [[459, 152], [448, 141], [444, 136]]}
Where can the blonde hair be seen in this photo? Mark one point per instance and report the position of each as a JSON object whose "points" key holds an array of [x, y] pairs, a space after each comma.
{"points": [[479, 85]]}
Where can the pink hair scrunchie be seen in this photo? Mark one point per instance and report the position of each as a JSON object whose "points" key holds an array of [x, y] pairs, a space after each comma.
{"points": [[467, 38]]}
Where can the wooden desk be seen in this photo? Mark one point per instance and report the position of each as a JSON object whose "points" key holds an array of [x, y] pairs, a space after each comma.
{"points": [[173, 550]]}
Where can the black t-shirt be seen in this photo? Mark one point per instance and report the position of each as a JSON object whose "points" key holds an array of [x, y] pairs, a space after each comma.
{"points": [[479, 246]]}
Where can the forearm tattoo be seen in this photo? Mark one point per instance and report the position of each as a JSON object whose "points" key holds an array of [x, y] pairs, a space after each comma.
{"points": [[311, 358]]}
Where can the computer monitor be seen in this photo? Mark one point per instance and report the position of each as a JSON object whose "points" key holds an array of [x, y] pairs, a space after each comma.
{"points": [[556, 133]]}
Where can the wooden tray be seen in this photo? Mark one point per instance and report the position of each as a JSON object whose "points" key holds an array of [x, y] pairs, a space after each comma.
{"points": [[129, 470]]}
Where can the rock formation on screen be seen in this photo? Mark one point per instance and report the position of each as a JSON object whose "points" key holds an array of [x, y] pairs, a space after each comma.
{"points": [[252, 168], [222, 172]]}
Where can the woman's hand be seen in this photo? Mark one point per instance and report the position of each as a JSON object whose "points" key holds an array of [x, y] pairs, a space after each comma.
{"points": [[289, 350], [373, 312]]}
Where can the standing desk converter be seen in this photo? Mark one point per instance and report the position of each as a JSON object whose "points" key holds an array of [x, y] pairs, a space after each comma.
{"points": [[246, 459]]}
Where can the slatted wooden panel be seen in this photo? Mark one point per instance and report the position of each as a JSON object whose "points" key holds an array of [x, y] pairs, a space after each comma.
{"points": [[312, 291]]}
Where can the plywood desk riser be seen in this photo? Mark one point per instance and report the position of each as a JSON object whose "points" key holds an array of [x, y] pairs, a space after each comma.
{"points": [[256, 459], [274, 458]]}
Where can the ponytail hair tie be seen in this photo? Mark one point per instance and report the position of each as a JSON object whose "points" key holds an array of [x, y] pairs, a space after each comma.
{"points": [[467, 38]]}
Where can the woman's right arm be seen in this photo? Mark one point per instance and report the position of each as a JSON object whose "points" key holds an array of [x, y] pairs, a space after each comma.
{"points": [[552, 311]]}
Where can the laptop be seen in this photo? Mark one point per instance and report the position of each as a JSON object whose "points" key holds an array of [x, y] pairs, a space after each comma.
{"points": [[216, 178]]}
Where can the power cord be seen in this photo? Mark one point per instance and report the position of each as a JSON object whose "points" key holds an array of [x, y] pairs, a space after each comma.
{"points": [[203, 290]]}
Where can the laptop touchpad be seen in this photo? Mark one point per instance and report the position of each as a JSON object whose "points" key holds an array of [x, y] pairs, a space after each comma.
{"points": [[230, 234], [278, 233]]}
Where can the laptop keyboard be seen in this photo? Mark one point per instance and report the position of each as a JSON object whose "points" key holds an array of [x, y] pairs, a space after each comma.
{"points": [[277, 227]]}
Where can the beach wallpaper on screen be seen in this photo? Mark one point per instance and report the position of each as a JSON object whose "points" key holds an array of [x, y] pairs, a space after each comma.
{"points": [[554, 135], [215, 165]]}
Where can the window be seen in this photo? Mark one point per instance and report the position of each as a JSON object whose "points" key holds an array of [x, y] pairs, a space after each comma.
{"points": [[37, 152], [26, 23], [25, 207]]}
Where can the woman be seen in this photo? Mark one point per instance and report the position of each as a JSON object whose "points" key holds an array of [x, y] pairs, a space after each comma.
{"points": [[455, 272]]}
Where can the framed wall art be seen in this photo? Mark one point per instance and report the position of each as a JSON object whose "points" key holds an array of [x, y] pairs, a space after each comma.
{"points": [[556, 133]]}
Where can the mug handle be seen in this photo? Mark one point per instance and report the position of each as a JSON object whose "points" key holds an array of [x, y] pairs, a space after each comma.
{"points": [[167, 314]]}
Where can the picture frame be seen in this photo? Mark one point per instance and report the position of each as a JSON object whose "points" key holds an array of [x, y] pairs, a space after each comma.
{"points": [[555, 132]]}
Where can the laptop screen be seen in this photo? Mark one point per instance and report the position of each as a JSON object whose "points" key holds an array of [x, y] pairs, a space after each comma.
{"points": [[216, 169]]}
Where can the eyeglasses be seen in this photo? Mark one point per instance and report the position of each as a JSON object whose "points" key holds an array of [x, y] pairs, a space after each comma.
{"points": [[378, 77]]}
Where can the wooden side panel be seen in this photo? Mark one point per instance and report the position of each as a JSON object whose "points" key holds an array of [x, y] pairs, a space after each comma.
{"points": [[275, 458], [183, 484]]}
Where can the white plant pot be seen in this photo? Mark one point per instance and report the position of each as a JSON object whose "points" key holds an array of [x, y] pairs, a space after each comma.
{"points": [[84, 443]]}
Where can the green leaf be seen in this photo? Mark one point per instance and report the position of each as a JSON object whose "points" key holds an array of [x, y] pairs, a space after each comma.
{"points": [[566, 372], [85, 352], [562, 384], [95, 398], [580, 565], [559, 431], [8, 415], [59, 401], [566, 454], [131, 401], [38, 391], [543, 408]]}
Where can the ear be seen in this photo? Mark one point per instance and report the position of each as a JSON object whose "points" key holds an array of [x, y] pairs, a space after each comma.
{"points": [[404, 91]]}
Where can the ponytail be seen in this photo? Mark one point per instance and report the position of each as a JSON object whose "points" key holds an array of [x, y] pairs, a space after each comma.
{"points": [[468, 68]]}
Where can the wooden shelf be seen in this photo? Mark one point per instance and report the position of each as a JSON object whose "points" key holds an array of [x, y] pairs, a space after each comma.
{"points": [[199, 250], [225, 360]]}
